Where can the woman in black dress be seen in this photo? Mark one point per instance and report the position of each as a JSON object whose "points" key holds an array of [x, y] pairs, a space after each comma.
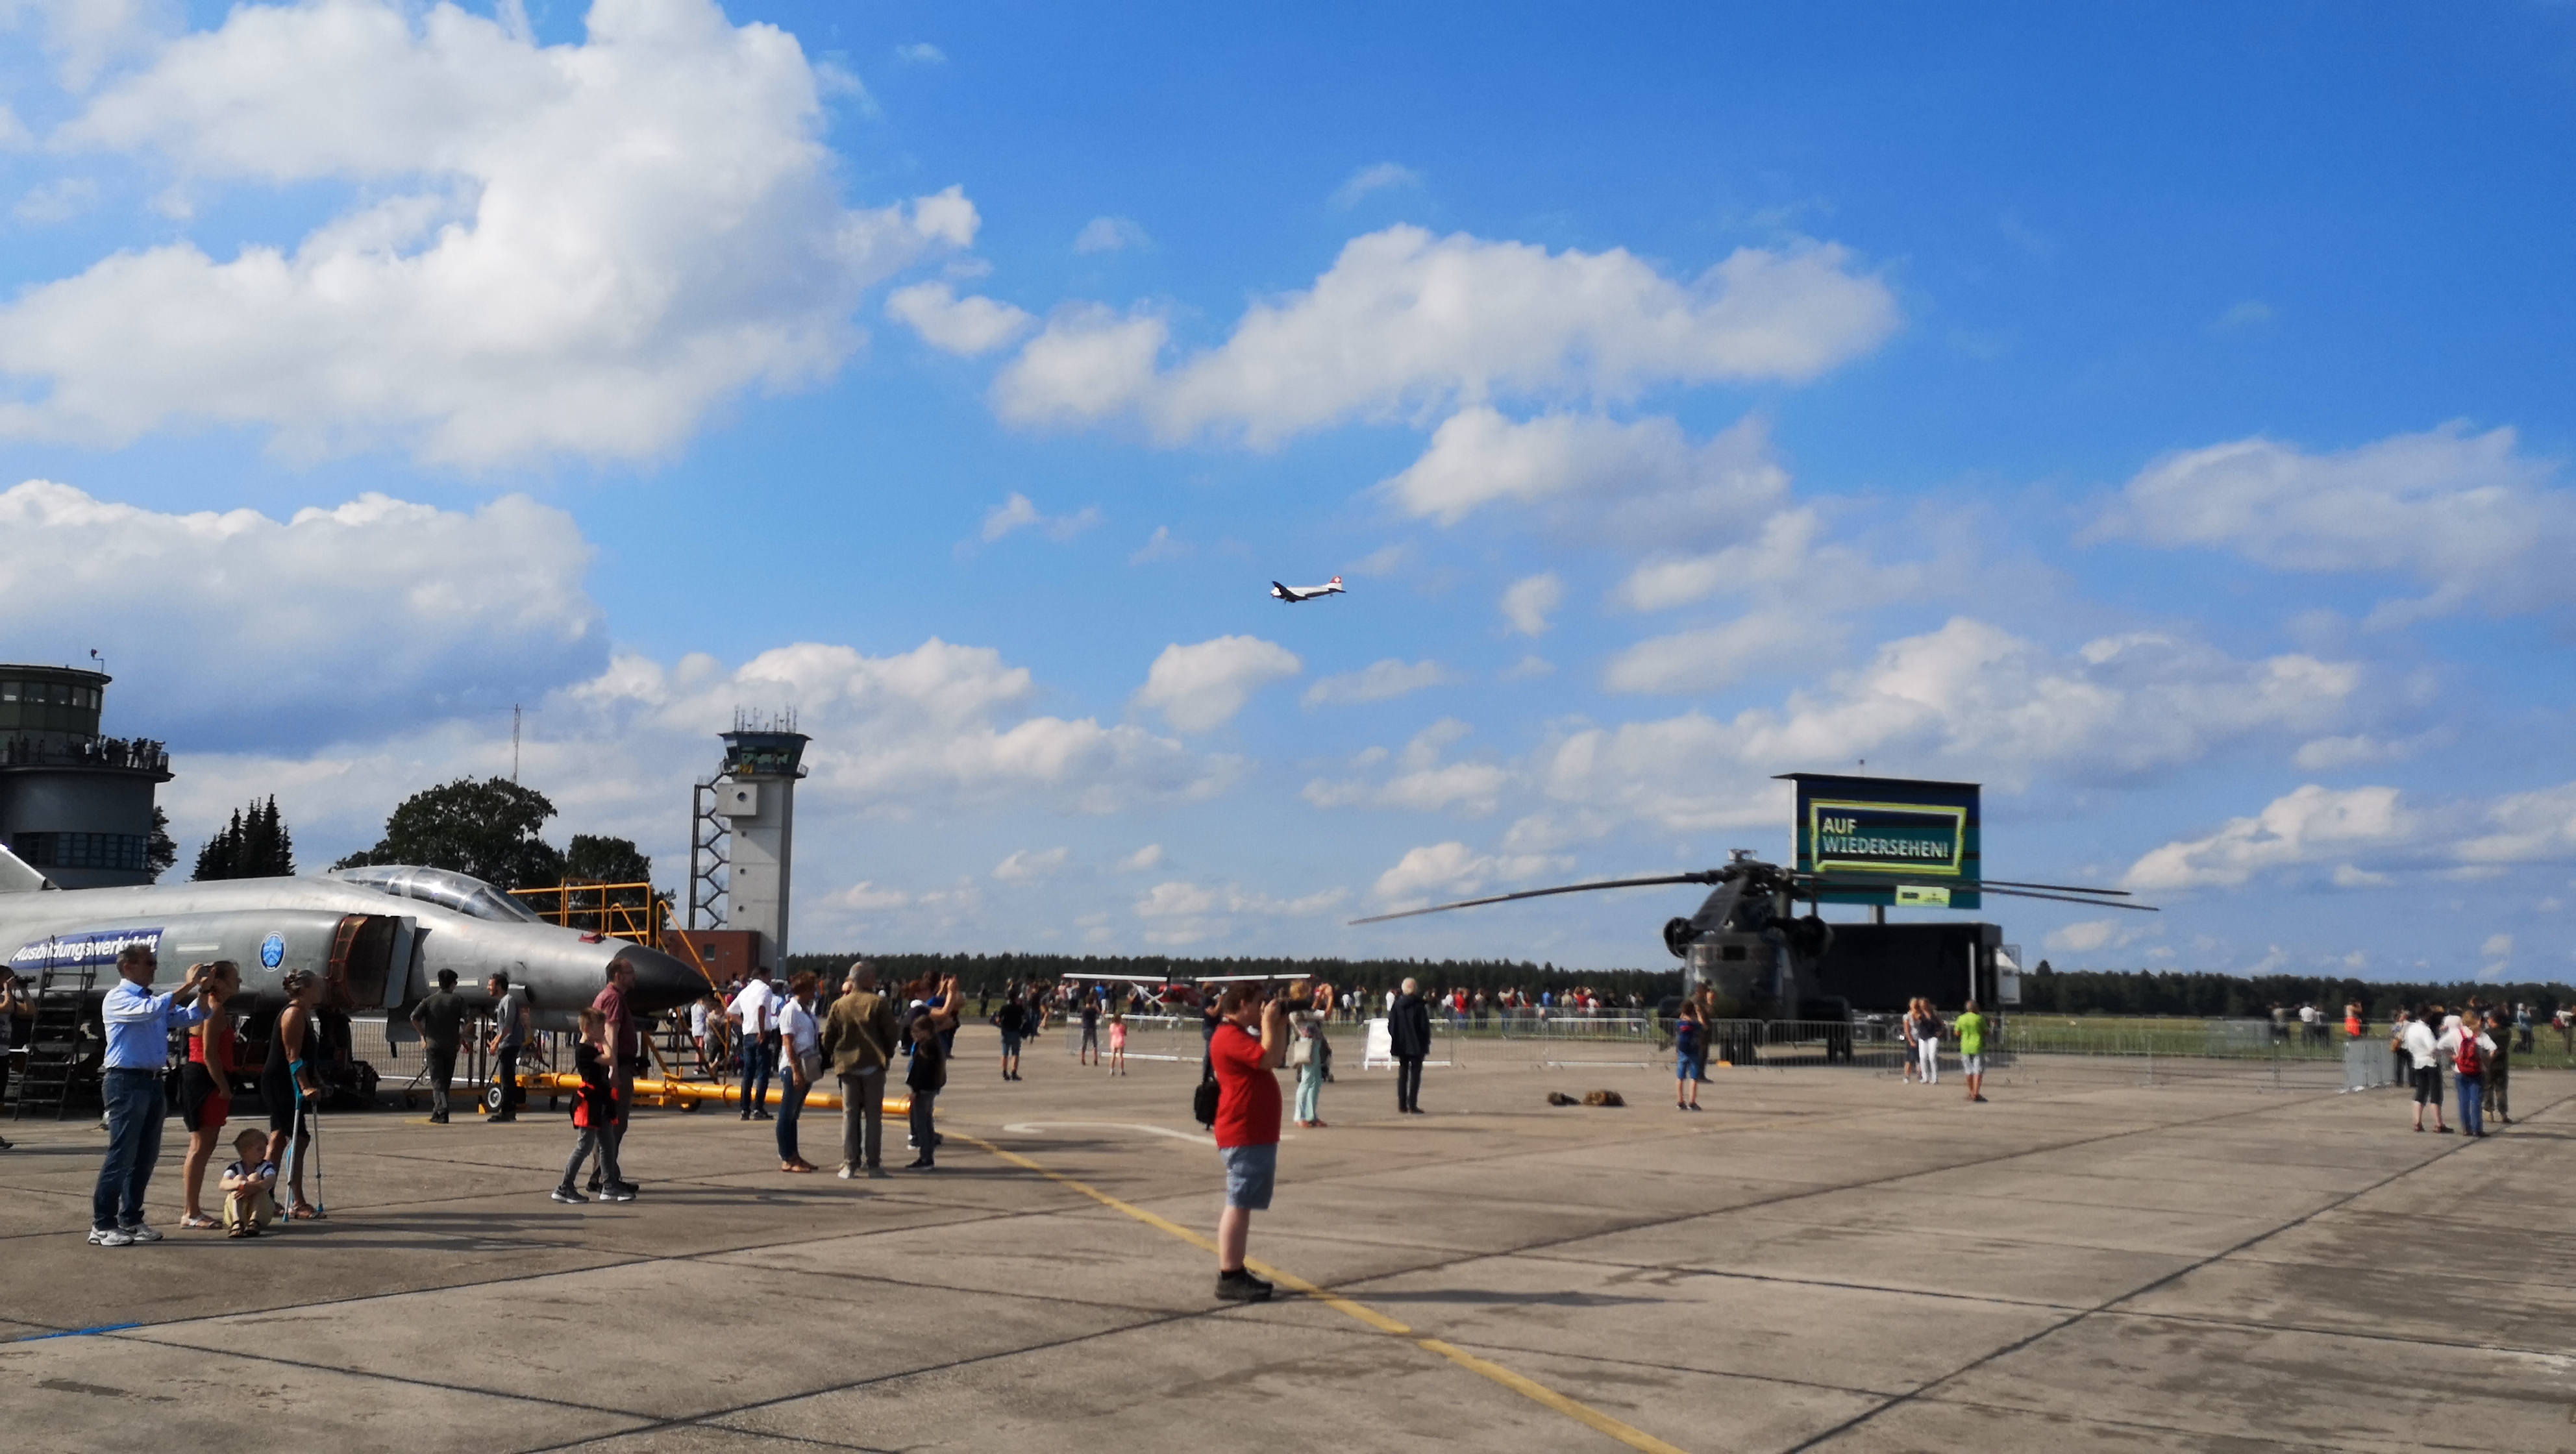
{"points": [[291, 1082]]}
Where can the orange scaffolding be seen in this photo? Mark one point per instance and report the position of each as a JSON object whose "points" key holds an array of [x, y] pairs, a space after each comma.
{"points": [[633, 912]]}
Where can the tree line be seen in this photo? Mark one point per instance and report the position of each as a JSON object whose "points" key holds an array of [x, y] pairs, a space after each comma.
{"points": [[2045, 990], [2233, 996], [975, 972]]}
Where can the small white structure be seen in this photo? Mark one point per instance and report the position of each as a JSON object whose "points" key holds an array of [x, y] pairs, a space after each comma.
{"points": [[1380, 1054]]}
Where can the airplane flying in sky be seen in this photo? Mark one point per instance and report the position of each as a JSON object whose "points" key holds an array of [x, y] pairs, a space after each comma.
{"points": [[1293, 594]]}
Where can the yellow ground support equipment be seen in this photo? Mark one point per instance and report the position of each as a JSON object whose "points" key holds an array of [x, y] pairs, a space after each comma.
{"points": [[688, 1095]]}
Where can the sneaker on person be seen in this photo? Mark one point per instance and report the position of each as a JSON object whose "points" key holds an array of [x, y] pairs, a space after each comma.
{"points": [[618, 1194], [919, 1163], [876, 1172], [110, 1237], [1240, 1286], [566, 1195], [844, 1173], [139, 1232]]}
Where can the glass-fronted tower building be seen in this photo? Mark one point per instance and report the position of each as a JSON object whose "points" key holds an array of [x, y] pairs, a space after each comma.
{"points": [[75, 805], [757, 793]]}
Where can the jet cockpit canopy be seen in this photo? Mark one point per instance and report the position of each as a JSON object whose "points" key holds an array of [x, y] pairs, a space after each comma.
{"points": [[448, 890]]}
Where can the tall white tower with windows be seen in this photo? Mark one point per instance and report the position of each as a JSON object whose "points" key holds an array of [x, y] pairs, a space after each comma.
{"points": [[756, 794]]}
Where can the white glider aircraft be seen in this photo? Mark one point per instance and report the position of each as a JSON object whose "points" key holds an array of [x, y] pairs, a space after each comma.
{"points": [[1293, 594]]}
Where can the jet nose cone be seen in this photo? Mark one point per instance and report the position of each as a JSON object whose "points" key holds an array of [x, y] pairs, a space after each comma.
{"points": [[662, 981]]}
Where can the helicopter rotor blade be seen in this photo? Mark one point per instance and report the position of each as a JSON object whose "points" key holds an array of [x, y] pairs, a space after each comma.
{"points": [[1704, 877], [2055, 888], [1989, 888]]}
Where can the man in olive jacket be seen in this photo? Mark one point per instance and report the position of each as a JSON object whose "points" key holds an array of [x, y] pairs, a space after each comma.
{"points": [[859, 1039], [1408, 1033]]}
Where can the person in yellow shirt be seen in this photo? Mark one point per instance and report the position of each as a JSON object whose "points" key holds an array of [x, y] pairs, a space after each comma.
{"points": [[1970, 1027]]}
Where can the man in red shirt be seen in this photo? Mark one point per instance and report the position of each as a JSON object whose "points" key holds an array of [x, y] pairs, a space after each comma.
{"points": [[626, 1038], [1244, 1049]]}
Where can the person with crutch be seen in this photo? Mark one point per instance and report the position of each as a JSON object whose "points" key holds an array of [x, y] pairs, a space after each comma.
{"points": [[291, 1087]]}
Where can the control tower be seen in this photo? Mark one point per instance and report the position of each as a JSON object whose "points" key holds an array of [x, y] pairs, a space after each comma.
{"points": [[76, 806], [755, 792]]}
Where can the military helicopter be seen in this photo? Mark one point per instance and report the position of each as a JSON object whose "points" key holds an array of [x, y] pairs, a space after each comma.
{"points": [[1759, 957]]}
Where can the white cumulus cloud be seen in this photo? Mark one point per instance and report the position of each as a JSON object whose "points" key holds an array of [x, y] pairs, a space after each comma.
{"points": [[1644, 478], [964, 326], [2466, 515], [231, 627], [1202, 686], [1783, 561], [1529, 601], [2523, 827], [2301, 827], [1087, 364], [1109, 234], [1179, 912], [1720, 656], [1028, 866], [1422, 783], [1018, 512], [1406, 322], [1379, 681], [1967, 701], [570, 249], [1454, 868], [1378, 177]]}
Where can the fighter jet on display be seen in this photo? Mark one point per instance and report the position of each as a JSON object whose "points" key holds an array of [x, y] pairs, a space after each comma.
{"points": [[1293, 594], [378, 936]]}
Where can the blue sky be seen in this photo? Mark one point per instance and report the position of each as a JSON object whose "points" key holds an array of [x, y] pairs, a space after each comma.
{"points": [[2158, 415]]}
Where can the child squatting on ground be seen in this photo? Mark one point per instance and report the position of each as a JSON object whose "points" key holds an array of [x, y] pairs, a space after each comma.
{"points": [[249, 1186]]}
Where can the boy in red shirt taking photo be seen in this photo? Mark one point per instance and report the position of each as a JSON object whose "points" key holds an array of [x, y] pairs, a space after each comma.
{"points": [[1249, 1043]]}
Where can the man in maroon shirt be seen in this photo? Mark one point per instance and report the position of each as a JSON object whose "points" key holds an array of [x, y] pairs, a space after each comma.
{"points": [[1244, 1049], [626, 1055]]}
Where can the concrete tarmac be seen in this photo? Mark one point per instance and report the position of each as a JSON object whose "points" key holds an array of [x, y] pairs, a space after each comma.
{"points": [[1823, 1259]]}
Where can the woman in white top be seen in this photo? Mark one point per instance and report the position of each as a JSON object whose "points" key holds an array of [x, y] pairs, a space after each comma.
{"points": [[2467, 1050], [800, 1047], [2424, 1053]]}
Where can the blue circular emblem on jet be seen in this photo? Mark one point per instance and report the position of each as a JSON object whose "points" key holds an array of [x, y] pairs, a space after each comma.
{"points": [[272, 950]]}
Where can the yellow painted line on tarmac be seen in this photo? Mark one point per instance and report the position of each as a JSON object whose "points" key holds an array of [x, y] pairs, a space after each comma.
{"points": [[1528, 1388]]}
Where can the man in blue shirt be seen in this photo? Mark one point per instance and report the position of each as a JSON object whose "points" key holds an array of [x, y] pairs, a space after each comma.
{"points": [[138, 1047]]}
